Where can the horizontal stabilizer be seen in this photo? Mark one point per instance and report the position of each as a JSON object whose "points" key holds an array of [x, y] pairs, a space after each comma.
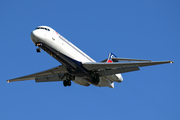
{"points": [[127, 59]]}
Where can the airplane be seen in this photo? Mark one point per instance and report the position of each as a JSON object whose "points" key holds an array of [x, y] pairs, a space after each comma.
{"points": [[77, 66]]}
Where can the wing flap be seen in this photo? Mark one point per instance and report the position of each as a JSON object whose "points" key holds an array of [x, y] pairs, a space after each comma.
{"points": [[52, 78], [54, 71], [119, 70]]}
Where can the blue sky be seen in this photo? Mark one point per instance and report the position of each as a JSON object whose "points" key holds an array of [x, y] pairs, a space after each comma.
{"points": [[132, 29]]}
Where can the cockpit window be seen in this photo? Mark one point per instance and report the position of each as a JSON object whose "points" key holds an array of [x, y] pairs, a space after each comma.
{"points": [[43, 28]]}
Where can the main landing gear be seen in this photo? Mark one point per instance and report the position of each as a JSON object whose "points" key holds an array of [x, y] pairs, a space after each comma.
{"points": [[69, 77], [95, 78], [67, 83]]}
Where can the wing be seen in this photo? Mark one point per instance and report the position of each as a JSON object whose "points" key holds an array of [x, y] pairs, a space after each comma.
{"points": [[125, 59], [57, 71], [105, 69]]}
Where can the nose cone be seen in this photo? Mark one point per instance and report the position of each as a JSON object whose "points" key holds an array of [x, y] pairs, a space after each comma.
{"points": [[37, 36], [33, 37]]}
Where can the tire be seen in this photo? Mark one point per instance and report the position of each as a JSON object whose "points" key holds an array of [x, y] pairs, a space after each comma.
{"points": [[38, 50], [65, 83], [68, 82]]}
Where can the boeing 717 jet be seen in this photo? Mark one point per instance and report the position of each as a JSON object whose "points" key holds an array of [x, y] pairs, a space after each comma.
{"points": [[78, 66]]}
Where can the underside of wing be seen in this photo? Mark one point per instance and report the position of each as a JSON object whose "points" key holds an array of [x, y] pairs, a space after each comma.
{"points": [[113, 68], [57, 71]]}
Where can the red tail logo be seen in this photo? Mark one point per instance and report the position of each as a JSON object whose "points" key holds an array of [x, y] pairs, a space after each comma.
{"points": [[111, 55]]}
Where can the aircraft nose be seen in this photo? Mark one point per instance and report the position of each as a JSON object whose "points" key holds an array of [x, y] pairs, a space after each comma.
{"points": [[34, 36], [37, 36]]}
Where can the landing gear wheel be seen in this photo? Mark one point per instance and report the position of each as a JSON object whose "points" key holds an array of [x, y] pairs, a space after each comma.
{"points": [[38, 50], [69, 82], [66, 83]]}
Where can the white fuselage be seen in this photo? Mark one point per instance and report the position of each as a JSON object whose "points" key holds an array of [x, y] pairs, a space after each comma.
{"points": [[53, 39], [59, 43]]}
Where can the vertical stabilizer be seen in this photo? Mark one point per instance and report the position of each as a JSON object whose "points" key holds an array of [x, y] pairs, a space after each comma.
{"points": [[111, 55], [116, 77]]}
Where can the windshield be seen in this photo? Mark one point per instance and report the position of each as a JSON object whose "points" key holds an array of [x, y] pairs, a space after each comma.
{"points": [[43, 28]]}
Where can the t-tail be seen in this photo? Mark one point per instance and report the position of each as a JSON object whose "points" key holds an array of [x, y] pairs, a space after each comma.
{"points": [[110, 60], [117, 77]]}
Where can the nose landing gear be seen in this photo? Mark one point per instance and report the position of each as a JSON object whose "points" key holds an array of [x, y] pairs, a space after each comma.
{"points": [[38, 50]]}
